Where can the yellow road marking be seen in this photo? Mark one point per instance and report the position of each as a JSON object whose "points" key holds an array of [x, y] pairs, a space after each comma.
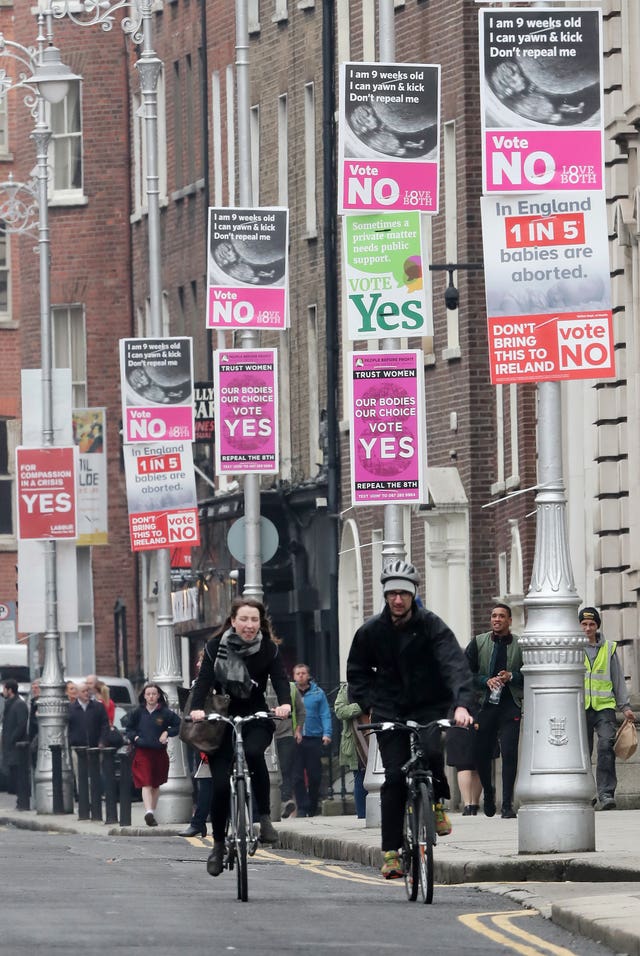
{"points": [[332, 870], [531, 946]]}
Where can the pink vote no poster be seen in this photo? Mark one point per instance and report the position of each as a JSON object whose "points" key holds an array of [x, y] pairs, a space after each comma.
{"points": [[246, 398], [388, 446]]}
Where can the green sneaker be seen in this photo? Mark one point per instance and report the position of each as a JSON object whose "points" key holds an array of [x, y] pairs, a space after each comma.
{"points": [[392, 868], [443, 823]]}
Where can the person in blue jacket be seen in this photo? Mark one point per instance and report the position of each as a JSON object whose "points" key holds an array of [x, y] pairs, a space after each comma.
{"points": [[316, 734]]}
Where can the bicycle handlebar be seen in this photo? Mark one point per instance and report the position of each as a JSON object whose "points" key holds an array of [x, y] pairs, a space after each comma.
{"points": [[260, 715], [409, 726]]}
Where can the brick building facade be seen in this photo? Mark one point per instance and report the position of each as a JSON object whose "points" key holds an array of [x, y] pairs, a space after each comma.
{"points": [[473, 540]]}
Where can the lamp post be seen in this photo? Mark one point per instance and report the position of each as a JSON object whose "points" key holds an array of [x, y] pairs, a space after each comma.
{"points": [[138, 25], [46, 79], [555, 783]]}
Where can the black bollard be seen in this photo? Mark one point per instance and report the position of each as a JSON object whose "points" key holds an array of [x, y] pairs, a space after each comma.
{"points": [[56, 777], [95, 783], [23, 776], [109, 776], [82, 783], [125, 788]]}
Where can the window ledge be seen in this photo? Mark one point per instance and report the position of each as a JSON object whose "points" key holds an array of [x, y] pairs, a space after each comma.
{"points": [[451, 354], [7, 541], [68, 199], [280, 18], [429, 358], [311, 235], [186, 191], [344, 426], [498, 488], [9, 324], [306, 4], [513, 481]]}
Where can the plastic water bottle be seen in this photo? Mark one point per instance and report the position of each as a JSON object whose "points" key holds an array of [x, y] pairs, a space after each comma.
{"points": [[494, 696]]}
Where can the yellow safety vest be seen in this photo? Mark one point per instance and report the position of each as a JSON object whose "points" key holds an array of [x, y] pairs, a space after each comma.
{"points": [[598, 686]]}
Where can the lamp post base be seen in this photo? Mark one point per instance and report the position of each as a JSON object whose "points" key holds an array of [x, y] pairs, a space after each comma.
{"points": [[556, 828]]}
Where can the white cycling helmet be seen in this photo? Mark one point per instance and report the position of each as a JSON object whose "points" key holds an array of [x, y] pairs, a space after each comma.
{"points": [[400, 576]]}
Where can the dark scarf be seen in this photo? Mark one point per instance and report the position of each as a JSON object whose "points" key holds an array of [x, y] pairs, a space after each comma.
{"points": [[230, 668]]}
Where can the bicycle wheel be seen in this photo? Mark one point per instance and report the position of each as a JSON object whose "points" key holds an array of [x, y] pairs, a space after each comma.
{"points": [[410, 849], [426, 841], [241, 840]]}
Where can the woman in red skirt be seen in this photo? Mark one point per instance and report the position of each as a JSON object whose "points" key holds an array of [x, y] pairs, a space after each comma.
{"points": [[148, 728]]}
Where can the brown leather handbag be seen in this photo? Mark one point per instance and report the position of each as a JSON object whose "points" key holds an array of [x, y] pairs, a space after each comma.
{"points": [[206, 735]]}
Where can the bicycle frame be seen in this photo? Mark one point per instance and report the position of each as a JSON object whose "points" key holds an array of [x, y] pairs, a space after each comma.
{"points": [[419, 829], [242, 837]]}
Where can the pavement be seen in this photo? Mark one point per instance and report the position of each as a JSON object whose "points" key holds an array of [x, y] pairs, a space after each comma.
{"points": [[594, 894]]}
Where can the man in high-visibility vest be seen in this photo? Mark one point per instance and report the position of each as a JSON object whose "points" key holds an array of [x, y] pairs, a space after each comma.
{"points": [[604, 689]]}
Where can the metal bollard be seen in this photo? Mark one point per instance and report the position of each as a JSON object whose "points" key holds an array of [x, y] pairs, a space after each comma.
{"points": [[109, 774], [125, 788], [23, 776], [56, 778], [82, 782], [95, 783]]}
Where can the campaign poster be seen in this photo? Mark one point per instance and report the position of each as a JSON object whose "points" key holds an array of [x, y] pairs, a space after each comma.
{"points": [[161, 495], [388, 445], [546, 261], [204, 412], [541, 99], [46, 487], [90, 438], [389, 141], [246, 395], [385, 267], [156, 378], [247, 258]]}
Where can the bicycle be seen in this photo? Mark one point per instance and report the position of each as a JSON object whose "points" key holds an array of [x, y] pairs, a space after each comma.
{"points": [[241, 840], [419, 829]]}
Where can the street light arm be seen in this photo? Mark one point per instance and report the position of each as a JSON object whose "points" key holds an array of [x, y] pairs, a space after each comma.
{"points": [[101, 13]]}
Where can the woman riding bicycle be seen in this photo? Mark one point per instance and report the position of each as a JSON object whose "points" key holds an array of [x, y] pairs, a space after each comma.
{"points": [[238, 661], [406, 664]]}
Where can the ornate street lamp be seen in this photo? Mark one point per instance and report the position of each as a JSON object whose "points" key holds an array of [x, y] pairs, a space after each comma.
{"points": [[138, 25], [46, 79], [555, 783]]}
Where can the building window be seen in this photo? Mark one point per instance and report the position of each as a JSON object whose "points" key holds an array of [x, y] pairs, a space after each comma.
{"points": [[280, 12], [191, 100], [69, 348], [8, 434], [253, 15], [231, 135], [315, 456], [4, 127], [65, 149], [178, 136], [452, 350], [283, 151], [310, 161], [254, 120], [140, 150], [5, 274]]}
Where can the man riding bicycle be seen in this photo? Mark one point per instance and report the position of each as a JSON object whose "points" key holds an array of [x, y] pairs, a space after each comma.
{"points": [[406, 664]]}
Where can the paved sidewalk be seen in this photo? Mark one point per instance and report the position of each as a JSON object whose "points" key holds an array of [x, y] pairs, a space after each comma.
{"points": [[596, 895]]}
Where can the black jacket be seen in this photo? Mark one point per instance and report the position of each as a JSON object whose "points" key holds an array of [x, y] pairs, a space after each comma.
{"points": [[14, 728], [266, 663], [413, 672], [147, 727], [90, 727]]}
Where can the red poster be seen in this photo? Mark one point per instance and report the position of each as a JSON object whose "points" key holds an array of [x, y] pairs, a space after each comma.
{"points": [[46, 493]]}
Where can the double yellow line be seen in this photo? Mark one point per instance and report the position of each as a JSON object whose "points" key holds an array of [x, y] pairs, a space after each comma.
{"points": [[500, 928]]}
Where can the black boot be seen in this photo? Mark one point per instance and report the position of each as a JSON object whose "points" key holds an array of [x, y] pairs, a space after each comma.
{"points": [[215, 860], [194, 831]]}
